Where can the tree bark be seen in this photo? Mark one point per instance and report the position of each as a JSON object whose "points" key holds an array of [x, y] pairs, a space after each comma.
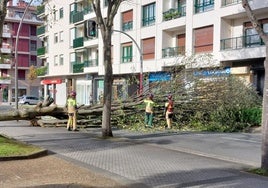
{"points": [[264, 36], [106, 26]]}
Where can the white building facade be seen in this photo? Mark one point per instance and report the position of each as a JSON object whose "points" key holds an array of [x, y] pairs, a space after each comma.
{"points": [[149, 37]]}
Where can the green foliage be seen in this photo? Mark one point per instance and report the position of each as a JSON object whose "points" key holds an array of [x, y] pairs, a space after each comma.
{"points": [[259, 171], [222, 103], [41, 71]]}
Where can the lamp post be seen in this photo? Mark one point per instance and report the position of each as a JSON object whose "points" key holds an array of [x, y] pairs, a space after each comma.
{"points": [[16, 54], [141, 60]]}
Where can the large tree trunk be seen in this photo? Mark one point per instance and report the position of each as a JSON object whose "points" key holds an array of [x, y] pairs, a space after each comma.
{"points": [[108, 81], [264, 36]]}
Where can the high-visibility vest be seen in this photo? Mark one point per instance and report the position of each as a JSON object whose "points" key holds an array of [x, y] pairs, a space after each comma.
{"points": [[149, 105], [71, 104]]}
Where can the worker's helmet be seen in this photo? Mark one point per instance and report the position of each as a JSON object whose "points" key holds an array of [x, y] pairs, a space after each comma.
{"points": [[73, 93]]}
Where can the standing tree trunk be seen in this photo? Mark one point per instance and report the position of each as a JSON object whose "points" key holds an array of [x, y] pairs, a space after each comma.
{"points": [[105, 25], [264, 36], [108, 82]]}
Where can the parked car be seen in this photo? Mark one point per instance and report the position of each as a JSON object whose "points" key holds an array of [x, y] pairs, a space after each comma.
{"points": [[26, 99]]}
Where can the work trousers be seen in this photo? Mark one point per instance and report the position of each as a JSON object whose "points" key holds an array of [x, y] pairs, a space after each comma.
{"points": [[149, 119]]}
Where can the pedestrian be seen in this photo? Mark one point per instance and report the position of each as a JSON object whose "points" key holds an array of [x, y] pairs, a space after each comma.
{"points": [[72, 111], [169, 109], [149, 107]]}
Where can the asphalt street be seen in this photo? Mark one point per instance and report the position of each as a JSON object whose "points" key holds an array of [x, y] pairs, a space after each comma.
{"points": [[156, 159]]}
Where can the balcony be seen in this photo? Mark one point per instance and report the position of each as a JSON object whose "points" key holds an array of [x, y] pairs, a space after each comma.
{"points": [[241, 42], [78, 16], [41, 51], [174, 13], [78, 67], [91, 63], [78, 42], [5, 49], [41, 30], [6, 32], [173, 51], [5, 80]]}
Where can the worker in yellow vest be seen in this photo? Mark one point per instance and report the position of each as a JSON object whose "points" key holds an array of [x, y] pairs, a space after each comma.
{"points": [[149, 110], [72, 111]]}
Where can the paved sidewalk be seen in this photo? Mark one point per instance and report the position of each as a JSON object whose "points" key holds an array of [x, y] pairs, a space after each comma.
{"points": [[140, 160]]}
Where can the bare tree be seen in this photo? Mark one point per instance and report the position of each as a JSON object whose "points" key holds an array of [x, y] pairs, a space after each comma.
{"points": [[256, 24], [105, 25]]}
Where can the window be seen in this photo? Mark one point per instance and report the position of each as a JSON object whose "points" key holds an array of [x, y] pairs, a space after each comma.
{"points": [[203, 39], [33, 30], [127, 20], [33, 46], [33, 61], [61, 59], [61, 36], [55, 60], [72, 36], [148, 17], [148, 47], [252, 38], [21, 74], [56, 39], [203, 5], [127, 52], [61, 13]]}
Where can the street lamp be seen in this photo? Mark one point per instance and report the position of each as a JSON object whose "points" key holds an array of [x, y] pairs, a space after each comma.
{"points": [[141, 60], [16, 55]]}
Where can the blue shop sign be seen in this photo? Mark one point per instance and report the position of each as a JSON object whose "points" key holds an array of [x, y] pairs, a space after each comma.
{"points": [[159, 76], [216, 72]]}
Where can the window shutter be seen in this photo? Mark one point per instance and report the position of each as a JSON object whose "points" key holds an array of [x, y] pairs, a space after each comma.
{"points": [[148, 48], [203, 39]]}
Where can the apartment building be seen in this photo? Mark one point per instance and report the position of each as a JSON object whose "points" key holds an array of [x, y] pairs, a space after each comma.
{"points": [[26, 52], [150, 36]]}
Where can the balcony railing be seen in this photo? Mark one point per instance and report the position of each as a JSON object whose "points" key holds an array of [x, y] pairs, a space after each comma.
{"points": [[173, 51], [174, 13], [78, 67], [41, 30], [148, 21], [78, 16], [6, 50], [91, 63], [127, 26], [241, 42], [5, 80], [41, 51], [78, 42]]}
